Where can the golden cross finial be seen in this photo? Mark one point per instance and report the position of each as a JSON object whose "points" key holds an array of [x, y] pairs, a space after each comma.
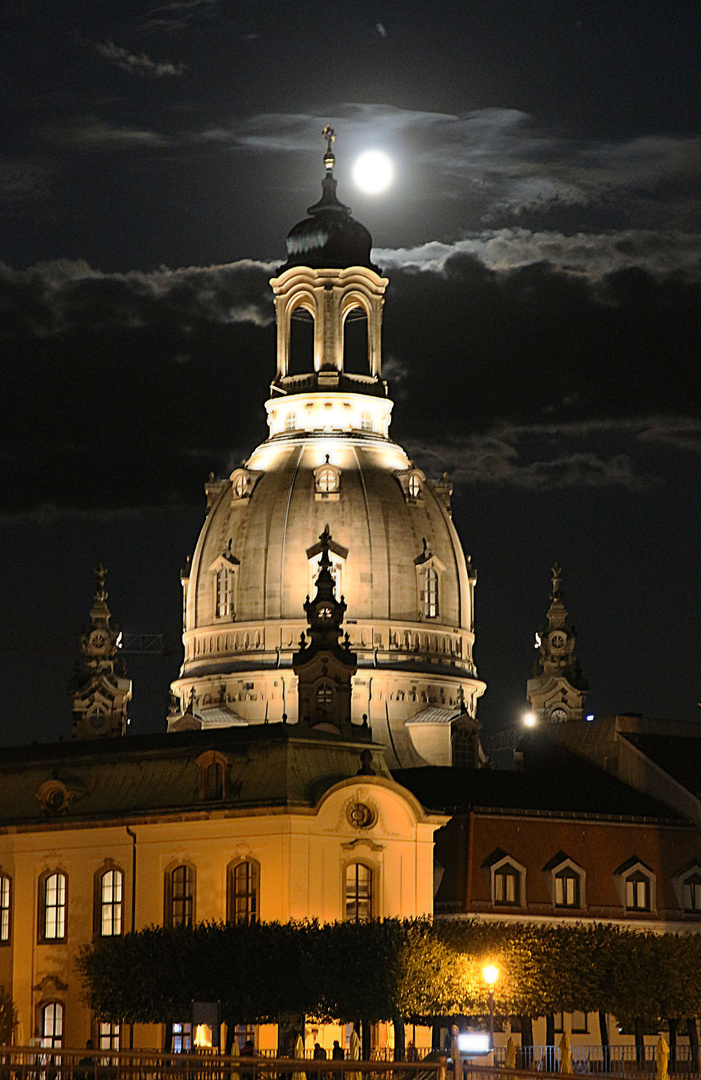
{"points": [[329, 159]]}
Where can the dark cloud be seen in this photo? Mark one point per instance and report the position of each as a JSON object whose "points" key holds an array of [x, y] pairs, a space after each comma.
{"points": [[126, 389]]}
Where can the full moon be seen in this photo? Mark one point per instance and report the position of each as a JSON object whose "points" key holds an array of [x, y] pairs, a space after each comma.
{"points": [[373, 172]]}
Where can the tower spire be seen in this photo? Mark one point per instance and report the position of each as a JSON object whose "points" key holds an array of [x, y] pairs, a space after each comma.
{"points": [[557, 691], [99, 694]]}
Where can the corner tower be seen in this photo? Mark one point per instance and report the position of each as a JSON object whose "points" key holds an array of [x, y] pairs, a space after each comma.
{"points": [[557, 692], [393, 550]]}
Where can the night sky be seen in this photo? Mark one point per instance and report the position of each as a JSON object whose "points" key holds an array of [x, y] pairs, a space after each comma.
{"points": [[542, 323]]}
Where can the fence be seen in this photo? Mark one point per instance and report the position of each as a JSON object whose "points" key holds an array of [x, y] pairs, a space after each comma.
{"points": [[44, 1063]]}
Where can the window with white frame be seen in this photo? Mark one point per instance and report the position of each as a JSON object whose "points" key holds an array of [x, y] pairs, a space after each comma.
{"points": [[358, 892], [507, 885], [366, 422], [290, 422], [327, 479], [53, 895], [111, 889], [5, 909], [51, 1024], [567, 888], [637, 891]]}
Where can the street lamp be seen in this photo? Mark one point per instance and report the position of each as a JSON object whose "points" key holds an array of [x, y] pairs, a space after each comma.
{"points": [[490, 974]]}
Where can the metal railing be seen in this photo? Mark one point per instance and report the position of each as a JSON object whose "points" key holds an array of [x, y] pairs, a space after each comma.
{"points": [[46, 1063]]}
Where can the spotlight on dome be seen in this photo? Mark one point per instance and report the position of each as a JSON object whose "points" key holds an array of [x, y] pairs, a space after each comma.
{"points": [[373, 172], [529, 719]]}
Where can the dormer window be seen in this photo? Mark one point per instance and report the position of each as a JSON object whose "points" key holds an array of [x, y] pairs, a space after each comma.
{"points": [[431, 593], [507, 880], [327, 482], [636, 884], [411, 482], [225, 589], [224, 571], [212, 775], [687, 885]]}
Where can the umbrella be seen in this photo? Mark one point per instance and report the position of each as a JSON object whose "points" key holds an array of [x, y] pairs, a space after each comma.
{"points": [[661, 1060], [299, 1053], [565, 1054], [354, 1055], [455, 1055], [235, 1053]]}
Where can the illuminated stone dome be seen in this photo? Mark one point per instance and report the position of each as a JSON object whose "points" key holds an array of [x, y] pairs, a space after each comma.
{"points": [[397, 558]]}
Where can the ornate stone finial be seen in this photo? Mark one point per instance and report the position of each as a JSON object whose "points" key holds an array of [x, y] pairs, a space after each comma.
{"points": [[100, 574], [329, 159], [556, 592]]}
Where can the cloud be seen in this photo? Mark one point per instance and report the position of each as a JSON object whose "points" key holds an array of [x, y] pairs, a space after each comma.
{"points": [[90, 132], [24, 180], [593, 255], [536, 377], [520, 457], [56, 297], [503, 160], [136, 65], [178, 16]]}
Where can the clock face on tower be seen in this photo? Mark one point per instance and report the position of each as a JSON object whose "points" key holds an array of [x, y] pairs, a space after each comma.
{"points": [[98, 640], [558, 640], [324, 613]]}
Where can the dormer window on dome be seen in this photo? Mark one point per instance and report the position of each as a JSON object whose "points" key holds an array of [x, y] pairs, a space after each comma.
{"points": [[429, 571], [224, 580], [327, 482], [412, 484], [243, 482]]}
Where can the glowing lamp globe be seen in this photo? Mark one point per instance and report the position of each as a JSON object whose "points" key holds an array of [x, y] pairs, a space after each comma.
{"points": [[529, 719], [490, 974]]}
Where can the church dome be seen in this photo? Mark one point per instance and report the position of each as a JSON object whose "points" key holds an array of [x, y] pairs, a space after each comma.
{"points": [[396, 556]]}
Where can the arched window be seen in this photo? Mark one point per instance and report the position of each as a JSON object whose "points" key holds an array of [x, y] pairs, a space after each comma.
{"points": [[110, 898], [180, 896], [53, 900], [567, 889], [431, 593], [214, 780], [242, 892], [358, 892], [51, 1024], [5, 910], [507, 885]]}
